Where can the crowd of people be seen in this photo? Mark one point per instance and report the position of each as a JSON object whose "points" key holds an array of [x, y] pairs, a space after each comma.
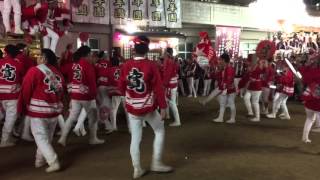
{"points": [[84, 85]]}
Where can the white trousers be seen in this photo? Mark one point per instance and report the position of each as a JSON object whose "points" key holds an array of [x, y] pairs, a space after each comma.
{"points": [[252, 97], [10, 108], [227, 101], [50, 41], [43, 131], [116, 100], [104, 110], [280, 100], [265, 98], [7, 6], [181, 86], [75, 108], [236, 83], [207, 87], [191, 86], [173, 104], [157, 124], [212, 95], [196, 85], [311, 116]]}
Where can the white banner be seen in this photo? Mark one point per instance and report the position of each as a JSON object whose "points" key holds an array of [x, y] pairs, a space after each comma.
{"points": [[138, 12], [92, 11], [156, 13], [119, 11], [173, 13]]}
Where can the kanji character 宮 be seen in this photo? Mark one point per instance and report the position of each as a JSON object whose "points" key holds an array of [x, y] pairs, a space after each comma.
{"points": [[172, 17], [83, 10], [119, 13], [136, 81], [137, 15], [99, 11], [156, 16], [8, 72]]}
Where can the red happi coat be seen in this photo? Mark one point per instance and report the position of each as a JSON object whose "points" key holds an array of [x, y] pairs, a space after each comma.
{"points": [[140, 82]]}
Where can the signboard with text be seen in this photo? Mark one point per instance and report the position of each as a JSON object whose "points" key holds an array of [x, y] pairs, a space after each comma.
{"points": [[92, 11]]}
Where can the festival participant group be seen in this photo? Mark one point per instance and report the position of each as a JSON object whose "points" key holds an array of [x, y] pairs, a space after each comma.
{"points": [[38, 95]]}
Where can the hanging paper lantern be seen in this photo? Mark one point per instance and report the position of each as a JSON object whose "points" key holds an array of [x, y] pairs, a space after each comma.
{"points": [[265, 49], [76, 3], [84, 36], [28, 39]]}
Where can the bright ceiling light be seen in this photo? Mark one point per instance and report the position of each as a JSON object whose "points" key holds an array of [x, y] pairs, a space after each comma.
{"points": [[131, 28]]}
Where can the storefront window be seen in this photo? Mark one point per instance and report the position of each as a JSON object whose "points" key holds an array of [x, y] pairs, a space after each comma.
{"points": [[247, 48]]}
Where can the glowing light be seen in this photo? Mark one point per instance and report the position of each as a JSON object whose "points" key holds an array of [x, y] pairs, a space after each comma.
{"points": [[163, 44], [124, 39], [131, 28], [173, 42], [270, 14], [152, 46]]}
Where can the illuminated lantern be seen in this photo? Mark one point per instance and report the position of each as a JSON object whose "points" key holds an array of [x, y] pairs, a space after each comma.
{"points": [[84, 36]]}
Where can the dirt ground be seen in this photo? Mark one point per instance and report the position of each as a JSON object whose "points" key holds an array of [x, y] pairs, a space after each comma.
{"points": [[200, 149]]}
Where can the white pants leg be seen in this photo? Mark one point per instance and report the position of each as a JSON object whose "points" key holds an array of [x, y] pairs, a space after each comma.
{"points": [[192, 89], [46, 41], [10, 108], [61, 121], [50, 41], [223, 104], [308, 124], [181, 87], [231, 104], [173, 105], [212, 95], [252, 97], [247, 102], [7, 6], [205, 86], [43, 130], [236, 83], [276, 103], [154, 120], [265, 99], [17, 14], [91, 108], [26, 131], [283, 105], [196, 86], [317, 121], [255, 103], [208, 86], [116, 100], [75, 109], [81, 119]]}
